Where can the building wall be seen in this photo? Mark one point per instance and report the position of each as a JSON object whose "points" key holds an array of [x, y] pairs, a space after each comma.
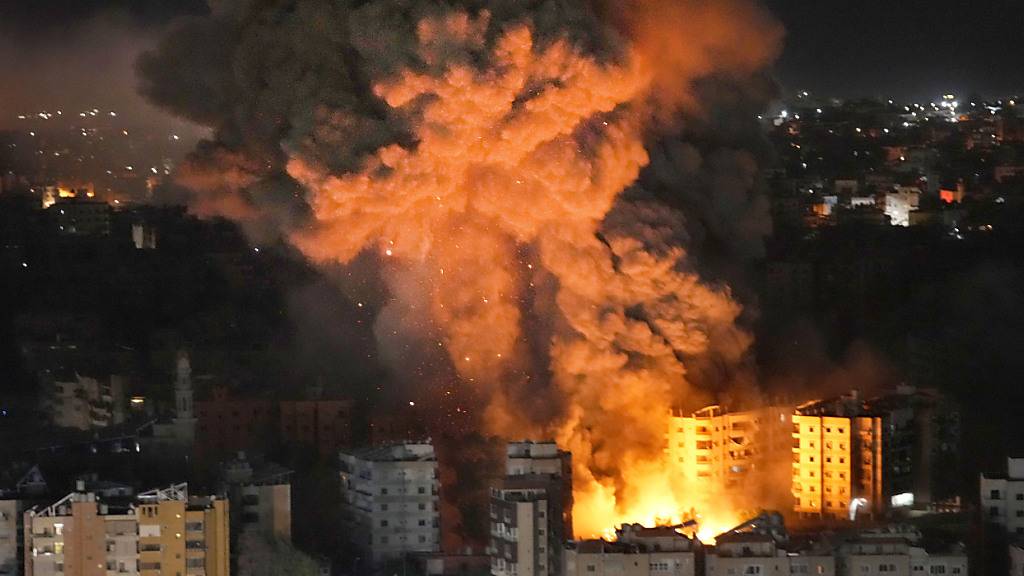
{"points": [[836, 459], [10, 537], [155, 538], [161, 538], [897, 557], [1002, 502], [391, 506], [629, 564], [268, 508], [227, 425], [216, 538], [325, 424], [761, 562], [724, 446], [1016, 559], [122, 543], [520, 534]]}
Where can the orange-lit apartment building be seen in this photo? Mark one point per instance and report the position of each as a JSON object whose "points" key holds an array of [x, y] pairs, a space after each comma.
{"points": [[161, 532], [724, 446], [837, 459]]}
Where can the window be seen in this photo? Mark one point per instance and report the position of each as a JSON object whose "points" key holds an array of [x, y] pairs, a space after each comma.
{"points": [[422, 522], [1020, 497], [422, 506], [937, 569], [752, 569], [383, 507], [383, 491], [993, 511], [994, 494], [421, 490], [383, 523], [383, 539], [591, 568]]}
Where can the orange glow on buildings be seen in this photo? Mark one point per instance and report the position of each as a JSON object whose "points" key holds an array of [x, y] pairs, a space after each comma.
{"points": [[836, 458]]}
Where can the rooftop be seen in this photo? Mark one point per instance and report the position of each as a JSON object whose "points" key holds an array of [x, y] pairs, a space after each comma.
{"points": [[404, 452]]}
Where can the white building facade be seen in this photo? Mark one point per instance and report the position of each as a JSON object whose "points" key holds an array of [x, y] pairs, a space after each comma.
{"points": [[1002, 497]]}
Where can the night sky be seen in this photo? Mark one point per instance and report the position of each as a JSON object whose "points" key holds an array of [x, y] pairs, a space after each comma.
{"points": [[57, 49]]}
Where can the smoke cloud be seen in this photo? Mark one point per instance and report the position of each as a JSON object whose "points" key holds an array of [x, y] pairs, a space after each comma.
{"points": [[487, 153]]}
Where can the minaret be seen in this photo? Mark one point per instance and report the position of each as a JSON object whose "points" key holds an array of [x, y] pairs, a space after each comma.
{"points": [[184, 415], [183, 388]]}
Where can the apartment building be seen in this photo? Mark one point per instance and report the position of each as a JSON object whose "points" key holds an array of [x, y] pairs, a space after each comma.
{"points": [[1002, 497], [83, 402], [724, 447], [897, 551], [390, 499], [227, 425], [260, 494], [637, 551], [158, 532], [761, 554], [837, 459], [531, 510], [856, 456]]}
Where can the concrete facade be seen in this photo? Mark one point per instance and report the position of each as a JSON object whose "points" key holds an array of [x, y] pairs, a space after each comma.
{"points": [[161, 532], [531, 510], [390, 499], [638, 551], [11, 542], [1002, 497]]}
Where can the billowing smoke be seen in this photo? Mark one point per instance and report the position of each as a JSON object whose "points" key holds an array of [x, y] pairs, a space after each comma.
{"points": [[482, 149]]}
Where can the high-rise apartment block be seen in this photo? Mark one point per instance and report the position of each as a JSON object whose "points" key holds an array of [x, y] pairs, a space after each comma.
{"points": [[1002, 497], [723, 447], [159, 532], [856, 456], [390, 499], [837, 459], [531, 510]]}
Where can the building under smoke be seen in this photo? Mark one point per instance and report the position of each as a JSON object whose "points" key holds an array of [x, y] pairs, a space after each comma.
{"points": [[481, 159], [894, 451], [390, 500], [531, 510]]}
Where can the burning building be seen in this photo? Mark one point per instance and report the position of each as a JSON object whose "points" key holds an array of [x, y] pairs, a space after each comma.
{"points": [[898, 450], [837, 459], [497, 167], [722, 448]]}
